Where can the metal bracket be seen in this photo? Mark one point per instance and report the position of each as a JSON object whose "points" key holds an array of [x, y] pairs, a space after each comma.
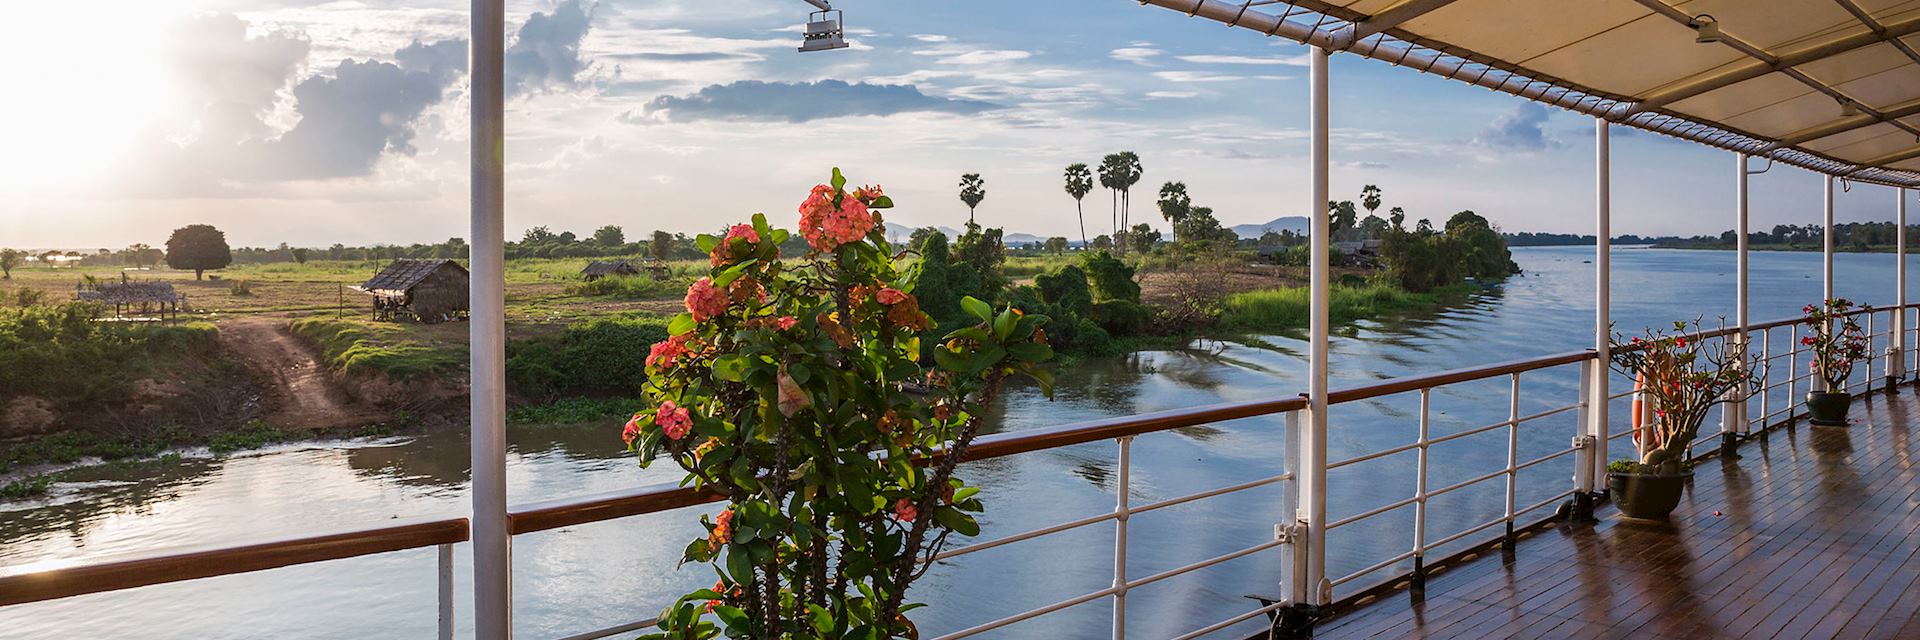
{"points": [[1283, 533], [1582, 441]]}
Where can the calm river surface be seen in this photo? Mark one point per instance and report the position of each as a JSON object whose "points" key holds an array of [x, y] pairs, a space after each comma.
{"points": [[581, 578]]}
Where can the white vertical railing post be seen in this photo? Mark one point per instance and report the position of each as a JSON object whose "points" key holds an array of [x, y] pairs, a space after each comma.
{"points": [[1597, 404], [1121, 511], [1296, 585], [1734, 414], [1826, 257], [1897, 337], [1766, 378], [1420, 494], [445, 571], [492, 544], [1513, 455], [1582, 447], [1313, 486]]}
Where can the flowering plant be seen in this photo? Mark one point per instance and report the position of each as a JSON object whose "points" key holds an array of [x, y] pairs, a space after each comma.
{"points": [[795, 390], [1679, 376], [1836, 341]]}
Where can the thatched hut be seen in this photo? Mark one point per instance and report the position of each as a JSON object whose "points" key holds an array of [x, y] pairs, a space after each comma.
{"points": [[137, 299], [596, 270], [419, 290]]}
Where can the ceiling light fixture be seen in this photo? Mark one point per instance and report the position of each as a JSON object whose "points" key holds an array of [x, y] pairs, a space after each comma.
{"points": [[1847, 108], [823, 29], [1707, 28]]}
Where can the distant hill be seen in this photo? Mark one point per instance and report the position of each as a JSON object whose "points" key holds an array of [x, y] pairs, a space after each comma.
{"points": [[1298, 224], [902, 232]]}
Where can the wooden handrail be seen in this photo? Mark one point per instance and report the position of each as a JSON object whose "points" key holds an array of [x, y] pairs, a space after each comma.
{"points": [[178, 565]]}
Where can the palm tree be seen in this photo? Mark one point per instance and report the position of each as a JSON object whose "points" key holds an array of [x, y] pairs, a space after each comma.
{"points": [[1370, 198], [1110, 171], [972, 190], [1079, 182], [1130, 175], [1175, 204], [1398, 217]]}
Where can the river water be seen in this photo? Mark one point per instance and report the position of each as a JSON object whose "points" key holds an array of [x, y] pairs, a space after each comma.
{"points": [[587, 577]]}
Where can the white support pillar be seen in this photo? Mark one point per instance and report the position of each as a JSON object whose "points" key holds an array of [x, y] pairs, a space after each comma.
{"points": [[1313, 445], [1897, 345], [1826, 262], [1596, 427], [1734, 414], [492, 544]]}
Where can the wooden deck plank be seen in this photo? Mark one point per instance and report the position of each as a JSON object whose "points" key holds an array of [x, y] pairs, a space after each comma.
{"points": [[1818, 536]]}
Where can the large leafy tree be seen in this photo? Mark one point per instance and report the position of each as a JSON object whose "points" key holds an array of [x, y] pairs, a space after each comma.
{"points": [[9, 259], [1079, 183], [610, 236], [1175, 205], [661, 246], [1344, 217], [198, 247], [973, 189]]}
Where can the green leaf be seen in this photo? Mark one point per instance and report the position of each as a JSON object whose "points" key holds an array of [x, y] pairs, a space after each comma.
{"points": [[1030, 351], [839, 181], [707, 242], [987, 357], [974, 307], [681, 323], [740, 565], [760, 225], [731, 367], [731, 274], [960, 523], [1004, 323], [882, 202], [799, 372], [733, 617]]}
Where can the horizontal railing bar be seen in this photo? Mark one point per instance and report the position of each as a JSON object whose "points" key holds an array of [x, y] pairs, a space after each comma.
{"points": [[1455, 487], [1196, 633], [1476, 529], [1211, 493], [1375, 455], [979, 629], [1528, 509], [1544, 458], [1205, 563], [207, 562], [1064, 526], [1473, 432], [616, 630], [1404, 555], [1468, 374], [1373, 512]]}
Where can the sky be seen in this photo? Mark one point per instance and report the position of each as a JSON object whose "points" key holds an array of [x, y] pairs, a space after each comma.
{"points": [[312, 123]]}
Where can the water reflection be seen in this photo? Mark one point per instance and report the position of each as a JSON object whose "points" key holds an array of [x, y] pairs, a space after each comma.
{"points": [[606, 573]]}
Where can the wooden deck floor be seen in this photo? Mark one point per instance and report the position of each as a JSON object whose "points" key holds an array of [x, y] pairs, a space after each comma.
{"points": [[1813, 533]]}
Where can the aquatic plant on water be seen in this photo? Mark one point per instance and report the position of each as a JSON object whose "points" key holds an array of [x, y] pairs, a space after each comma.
{"points": [[1680, 375], [794, 390]]}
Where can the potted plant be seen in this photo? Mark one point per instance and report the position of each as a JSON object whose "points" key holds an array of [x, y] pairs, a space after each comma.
{"points": [[795, 389], [1680, 377], [1836, 343]]}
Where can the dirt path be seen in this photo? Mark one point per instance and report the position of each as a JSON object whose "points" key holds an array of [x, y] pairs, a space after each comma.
{"points": [[300, 394]]}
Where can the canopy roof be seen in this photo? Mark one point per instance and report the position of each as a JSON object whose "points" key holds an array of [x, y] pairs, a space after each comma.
{"points": [[1776, 85]]}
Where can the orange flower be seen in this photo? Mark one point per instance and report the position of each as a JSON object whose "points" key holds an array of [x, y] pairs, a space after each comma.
{"points": [[904, 510], [722, 529]]}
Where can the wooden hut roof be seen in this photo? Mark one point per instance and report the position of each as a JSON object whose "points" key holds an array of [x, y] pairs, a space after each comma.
{"points": [[404, 273], [132, 292]]}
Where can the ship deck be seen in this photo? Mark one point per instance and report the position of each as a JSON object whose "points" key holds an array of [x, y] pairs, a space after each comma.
{"points": [[1810, 533]]}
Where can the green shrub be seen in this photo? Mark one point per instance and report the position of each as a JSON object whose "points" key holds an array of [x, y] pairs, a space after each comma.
{"points": [[606, 355], [253, 435], [575, 410], [1112, 279], [638, 287], [355, 347], [1067, 288], [1122, 318], [94, 361], [1278, 309], [26, 487]]}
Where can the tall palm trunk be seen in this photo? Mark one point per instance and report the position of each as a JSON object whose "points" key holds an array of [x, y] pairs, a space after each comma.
{"points": [[1080, 211]]}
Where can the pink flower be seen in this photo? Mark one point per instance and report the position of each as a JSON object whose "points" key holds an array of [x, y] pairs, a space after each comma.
{"points": [[826, 226], [904, 510], [890, 296], [784, 323], [632, 430], [705, 300], [673, 420], [743, 231], [668, 352]]}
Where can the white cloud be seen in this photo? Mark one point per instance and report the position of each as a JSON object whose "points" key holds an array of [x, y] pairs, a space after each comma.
{"points": [[1172, 95], [1195, 76], [931, 37], [986, 57], [1136, 55]]}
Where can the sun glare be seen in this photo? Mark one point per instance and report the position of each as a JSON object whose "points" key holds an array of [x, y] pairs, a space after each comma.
{"points": [[83, 81]]}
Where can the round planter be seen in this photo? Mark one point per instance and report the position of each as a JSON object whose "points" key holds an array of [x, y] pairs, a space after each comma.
{"points": [[1647, 496], [1828, 409]]}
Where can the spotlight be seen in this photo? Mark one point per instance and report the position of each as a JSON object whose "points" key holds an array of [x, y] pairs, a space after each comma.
{"points": [[823, 29], [1707, 27], [1847, 109]]}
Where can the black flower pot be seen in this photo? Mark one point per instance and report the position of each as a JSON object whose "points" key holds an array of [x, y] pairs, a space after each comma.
{"points": [[1828, 409], [1647, 496]]}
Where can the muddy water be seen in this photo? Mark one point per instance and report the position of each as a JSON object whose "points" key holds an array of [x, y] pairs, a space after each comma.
{"points": [[597, 575]]}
